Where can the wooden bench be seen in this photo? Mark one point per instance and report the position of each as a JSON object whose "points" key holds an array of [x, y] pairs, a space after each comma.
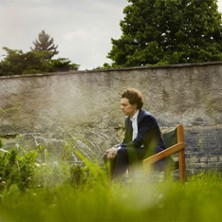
{"points": [[174, 141]]}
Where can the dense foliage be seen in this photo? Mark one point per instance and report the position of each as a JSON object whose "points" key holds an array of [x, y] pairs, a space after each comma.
{"points": [[17, 169], [168, 32], [37, 168], [19, 62], [38, 60]]}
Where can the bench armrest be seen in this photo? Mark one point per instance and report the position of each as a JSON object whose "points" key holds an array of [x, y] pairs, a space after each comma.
{"points": [[163, 154]]}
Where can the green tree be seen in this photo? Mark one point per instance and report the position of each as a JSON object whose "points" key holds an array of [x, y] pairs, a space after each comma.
{"points": [[18, 62], [45, 43], [168, 32]]}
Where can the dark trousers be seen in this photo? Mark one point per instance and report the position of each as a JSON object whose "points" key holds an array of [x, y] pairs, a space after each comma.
{"points": [[124, 158], [129, 156]]}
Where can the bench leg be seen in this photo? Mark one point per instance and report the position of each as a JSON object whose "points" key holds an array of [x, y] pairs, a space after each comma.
{"points": [[182, 166]]}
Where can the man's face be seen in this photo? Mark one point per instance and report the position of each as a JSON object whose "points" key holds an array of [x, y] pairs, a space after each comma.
{"points": [[127, 108]]}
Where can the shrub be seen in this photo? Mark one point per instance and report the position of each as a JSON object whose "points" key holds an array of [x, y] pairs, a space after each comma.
{"points": [[17, 169]]}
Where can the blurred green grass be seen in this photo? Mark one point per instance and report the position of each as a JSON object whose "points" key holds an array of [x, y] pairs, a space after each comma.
{"points": [[199, 199], [37, 189]]}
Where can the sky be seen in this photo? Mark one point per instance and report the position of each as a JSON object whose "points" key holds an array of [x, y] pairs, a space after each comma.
{"points": [[82, 29]]}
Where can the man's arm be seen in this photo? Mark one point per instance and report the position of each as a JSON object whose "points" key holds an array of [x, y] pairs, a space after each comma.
{"points": [[147, 124]]}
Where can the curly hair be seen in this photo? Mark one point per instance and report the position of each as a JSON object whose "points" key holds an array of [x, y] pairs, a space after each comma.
{"points": [[134, 96]]}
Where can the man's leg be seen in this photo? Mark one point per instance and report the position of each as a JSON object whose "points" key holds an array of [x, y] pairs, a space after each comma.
{"points": [[118, 165], [125, 157], [122, 162], [110, 165]]}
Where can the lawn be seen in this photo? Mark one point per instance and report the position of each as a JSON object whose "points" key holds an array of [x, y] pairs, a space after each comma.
{"points": [[58, 191]]}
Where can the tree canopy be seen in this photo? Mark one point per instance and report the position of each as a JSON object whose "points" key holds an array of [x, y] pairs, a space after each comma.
{"points": [[168, 32], [18, 62], [45, 43], [39, 59]]}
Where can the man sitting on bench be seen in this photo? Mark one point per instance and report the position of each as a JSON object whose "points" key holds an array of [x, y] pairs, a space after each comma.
{"points": [[142, 136]]}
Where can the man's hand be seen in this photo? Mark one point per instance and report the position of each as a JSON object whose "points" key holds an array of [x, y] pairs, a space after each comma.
{"points": [[111, 153]]}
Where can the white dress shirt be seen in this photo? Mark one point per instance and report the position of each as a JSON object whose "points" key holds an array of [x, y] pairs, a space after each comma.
{"points": [[134, 120], [135, 124]]}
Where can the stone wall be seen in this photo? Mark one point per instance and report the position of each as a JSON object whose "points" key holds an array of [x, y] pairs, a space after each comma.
{"points": [[81, 108]]}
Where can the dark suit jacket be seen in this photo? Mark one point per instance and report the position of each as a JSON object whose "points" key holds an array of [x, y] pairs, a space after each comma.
{"points": [[149, 136]]}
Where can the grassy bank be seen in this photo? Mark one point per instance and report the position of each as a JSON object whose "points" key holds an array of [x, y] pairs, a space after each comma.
{"points": [[197, 200], [56, 191]]}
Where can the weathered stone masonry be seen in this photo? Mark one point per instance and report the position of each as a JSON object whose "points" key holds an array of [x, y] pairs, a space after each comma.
{"points": [[83, 106]]}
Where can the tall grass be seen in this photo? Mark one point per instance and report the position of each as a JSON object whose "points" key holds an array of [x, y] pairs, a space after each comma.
{"points": [[199, 199], [63, 192]]}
